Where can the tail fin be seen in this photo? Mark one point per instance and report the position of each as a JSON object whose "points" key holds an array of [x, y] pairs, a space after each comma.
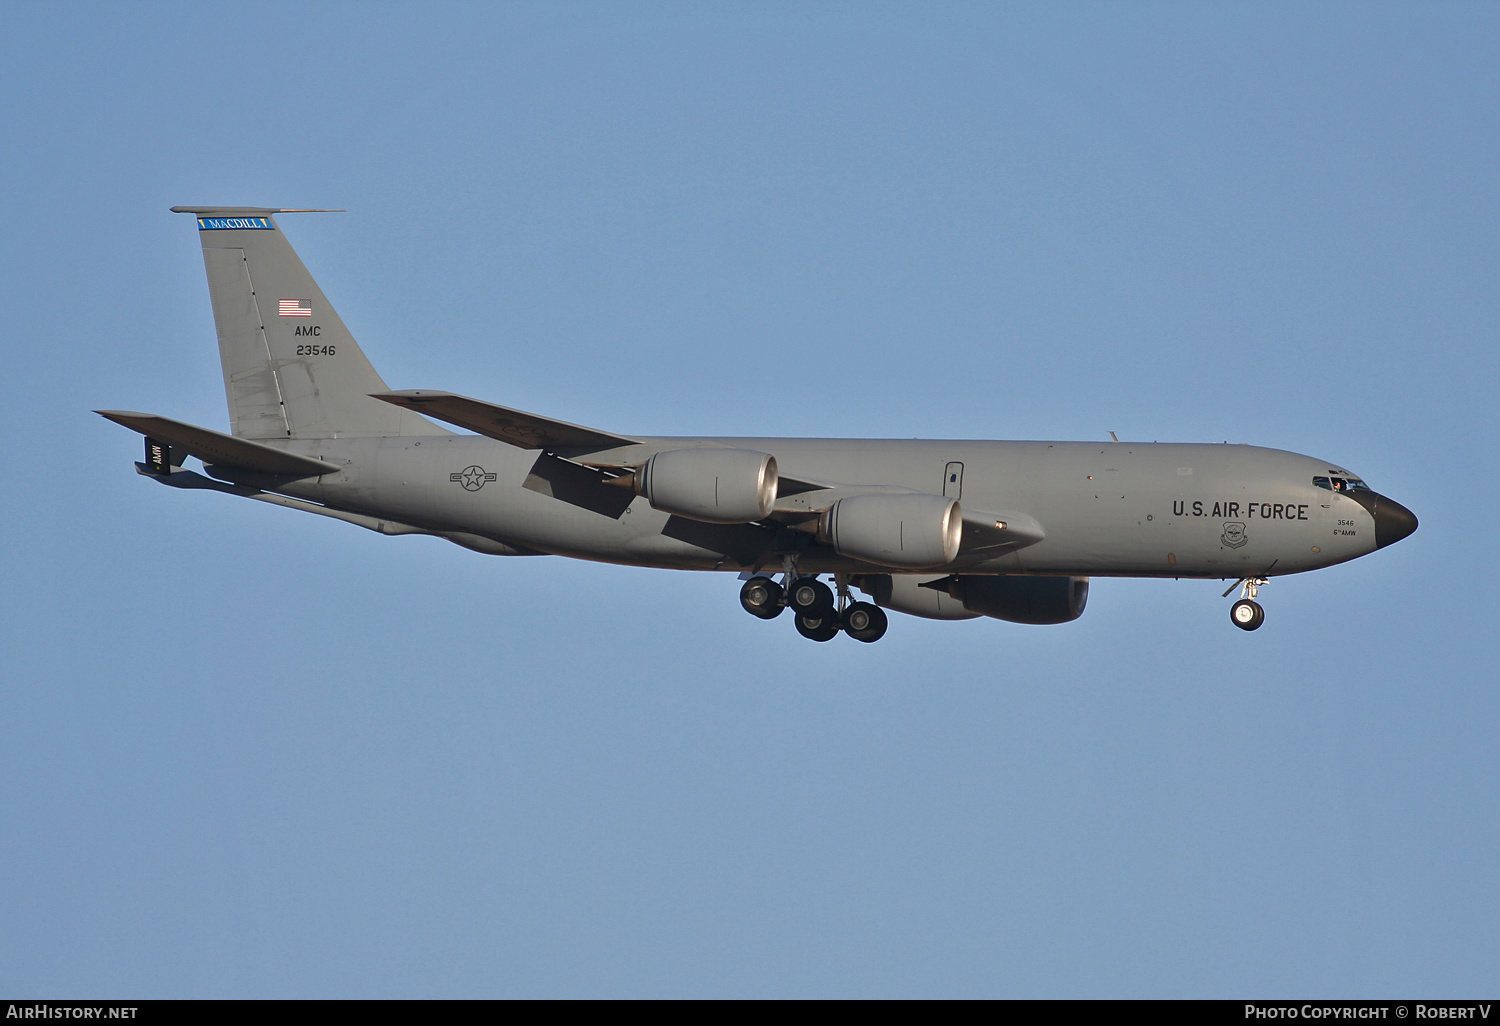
{"points": [[291, 368]]}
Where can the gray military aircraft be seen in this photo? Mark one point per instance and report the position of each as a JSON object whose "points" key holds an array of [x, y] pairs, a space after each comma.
{"points": [[949, 530]]}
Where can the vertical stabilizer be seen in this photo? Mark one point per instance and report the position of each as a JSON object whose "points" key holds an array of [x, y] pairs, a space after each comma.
{"points": [[291, 368]]}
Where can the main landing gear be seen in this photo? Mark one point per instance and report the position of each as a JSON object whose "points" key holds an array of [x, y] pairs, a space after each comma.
{"points": [[865, 621], [1247, 614], [818, 614], [763, 597]]}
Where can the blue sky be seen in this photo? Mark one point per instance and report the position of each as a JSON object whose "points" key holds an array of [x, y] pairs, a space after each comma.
{"points": [[253, 753]]}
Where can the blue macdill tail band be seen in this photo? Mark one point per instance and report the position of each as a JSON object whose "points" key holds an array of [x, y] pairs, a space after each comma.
{"points": [[224, 223]]}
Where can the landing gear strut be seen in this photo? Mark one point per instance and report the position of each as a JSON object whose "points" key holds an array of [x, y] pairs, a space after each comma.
{"points": [[862, 621], [1247, 614]]}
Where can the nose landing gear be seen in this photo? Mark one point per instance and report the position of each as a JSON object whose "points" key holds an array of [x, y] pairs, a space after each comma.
{"points": [[1247, 614]]}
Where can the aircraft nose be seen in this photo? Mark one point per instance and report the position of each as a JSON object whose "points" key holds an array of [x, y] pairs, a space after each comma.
{"points": [[1393, 521]]}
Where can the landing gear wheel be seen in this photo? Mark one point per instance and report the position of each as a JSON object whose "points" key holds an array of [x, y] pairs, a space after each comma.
{"points": [[865, 622], [818, 629], [761, 597], [811, 598], [1247, 614]]}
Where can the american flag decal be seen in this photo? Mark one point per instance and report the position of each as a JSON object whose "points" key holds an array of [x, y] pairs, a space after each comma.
{"points": [[294, 307]]}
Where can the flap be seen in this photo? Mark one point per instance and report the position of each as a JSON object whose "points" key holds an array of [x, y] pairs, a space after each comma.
{"points": [[515, 427], [224, 450]]}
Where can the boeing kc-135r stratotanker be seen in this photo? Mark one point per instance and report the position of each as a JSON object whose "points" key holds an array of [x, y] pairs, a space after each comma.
{"points": [[949, 530]]}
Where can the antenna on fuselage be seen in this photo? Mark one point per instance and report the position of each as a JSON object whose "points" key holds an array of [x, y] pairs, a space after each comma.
{"points": [[1114, 437]]}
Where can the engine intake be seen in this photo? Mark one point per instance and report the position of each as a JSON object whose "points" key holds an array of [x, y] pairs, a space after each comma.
{"points": [[716, 486], [905, 530]]}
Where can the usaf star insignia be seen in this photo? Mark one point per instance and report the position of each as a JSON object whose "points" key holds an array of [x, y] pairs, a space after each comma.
{"points": [[472, 478]]}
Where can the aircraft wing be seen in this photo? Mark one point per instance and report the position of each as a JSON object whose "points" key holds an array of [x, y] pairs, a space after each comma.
{"points": [[220, 449], [533, 431], [514, 427]]}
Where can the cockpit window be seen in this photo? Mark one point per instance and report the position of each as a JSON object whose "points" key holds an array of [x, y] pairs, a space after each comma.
{"points": [[1341, 484]]}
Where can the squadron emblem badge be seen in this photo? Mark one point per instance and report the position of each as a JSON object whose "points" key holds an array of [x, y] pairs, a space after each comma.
{"points": [[1233, 536]]}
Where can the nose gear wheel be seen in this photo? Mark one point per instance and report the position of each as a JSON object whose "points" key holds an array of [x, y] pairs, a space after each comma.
{"points": [[1247, 614]]}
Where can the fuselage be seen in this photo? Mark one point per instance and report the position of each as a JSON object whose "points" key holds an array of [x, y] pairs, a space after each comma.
{"points": [[1111, 509], [935, 528]]}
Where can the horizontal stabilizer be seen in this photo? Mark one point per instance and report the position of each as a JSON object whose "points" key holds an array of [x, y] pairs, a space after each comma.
{"points": [[515, 427], [254, 211], [220, 449]]}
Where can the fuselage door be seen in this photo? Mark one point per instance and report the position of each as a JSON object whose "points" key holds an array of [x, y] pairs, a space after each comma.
{"points": [[953, 481]]}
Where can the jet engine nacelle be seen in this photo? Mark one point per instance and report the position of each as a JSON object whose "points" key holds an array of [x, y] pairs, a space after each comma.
{"points": [[904, 593], [717, 486], [1021, 599], [905, 530]]}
